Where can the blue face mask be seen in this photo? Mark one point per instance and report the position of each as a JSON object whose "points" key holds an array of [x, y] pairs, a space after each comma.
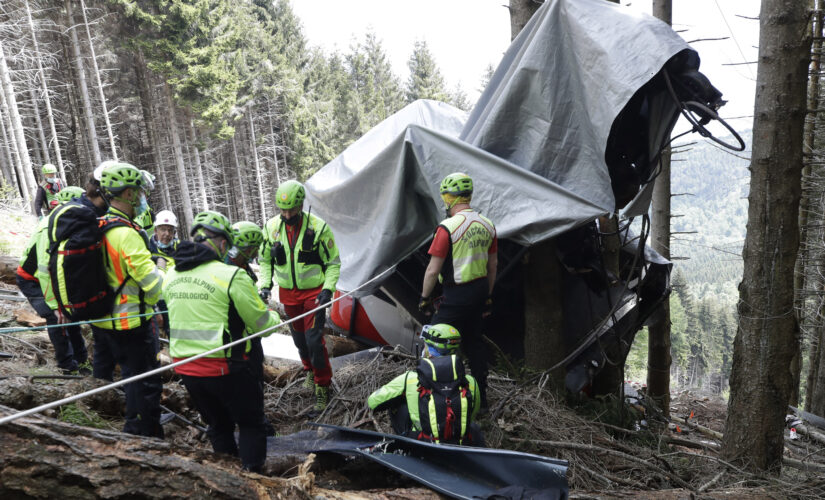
{"points": [[164, 245], [143, 205]]}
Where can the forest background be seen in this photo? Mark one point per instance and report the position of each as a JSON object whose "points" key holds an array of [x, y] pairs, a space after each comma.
{"points": [[223, 100]]}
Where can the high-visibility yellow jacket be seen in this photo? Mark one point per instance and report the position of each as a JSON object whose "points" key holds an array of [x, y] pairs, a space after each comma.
{"points": [[300, 266], [128, 263]]}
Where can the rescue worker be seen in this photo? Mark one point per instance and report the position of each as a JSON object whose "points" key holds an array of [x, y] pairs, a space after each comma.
{"points": [[247, 238], [34, 281], [164, 243], [210, 304], [124, 339], [437, 390], [299, 251], [463, 255], [45, 199], [146, 220]]}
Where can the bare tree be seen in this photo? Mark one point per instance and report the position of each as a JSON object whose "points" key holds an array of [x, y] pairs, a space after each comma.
{"points": [[658, 347], [102, 96], [23, 163], [84, 89]]}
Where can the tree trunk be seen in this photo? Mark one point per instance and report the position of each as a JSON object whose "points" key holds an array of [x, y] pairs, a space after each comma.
{"points": [[520, 12], [43, 146], [805, 263], [258, 174], [84, 89], [145, 94], [658, 347], [193, 140], [101, 95], [24, 165], [766, 340], [11, 151], [45, 89], [543, 316], [241, 189], [5, 159], [274, 144], [180, 167]]}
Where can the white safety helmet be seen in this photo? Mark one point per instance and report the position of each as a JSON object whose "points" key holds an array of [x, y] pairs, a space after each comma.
{"points": [[166, 218]]}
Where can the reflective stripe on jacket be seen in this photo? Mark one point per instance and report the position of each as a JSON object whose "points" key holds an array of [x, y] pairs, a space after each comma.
{"points": [[406, 386], [39, 245], [210, 305], [128, 262], [298, 270], [471, 235]]}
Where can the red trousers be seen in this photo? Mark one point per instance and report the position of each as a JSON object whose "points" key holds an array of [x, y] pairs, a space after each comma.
{"points": [[308, 335]]}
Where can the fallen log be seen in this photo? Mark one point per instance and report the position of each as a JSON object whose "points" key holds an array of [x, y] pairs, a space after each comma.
{"points": [[45, 458], [21, 393]]}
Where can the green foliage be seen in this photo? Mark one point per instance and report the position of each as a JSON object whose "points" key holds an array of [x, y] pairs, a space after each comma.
{"points": [[73, 413]]}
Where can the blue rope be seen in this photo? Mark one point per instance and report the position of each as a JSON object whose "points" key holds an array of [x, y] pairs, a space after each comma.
{"points": [[63, 325]]}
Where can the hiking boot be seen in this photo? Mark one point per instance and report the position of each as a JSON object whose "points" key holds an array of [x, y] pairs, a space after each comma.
{"points": [[309, 381], [321, 398]]}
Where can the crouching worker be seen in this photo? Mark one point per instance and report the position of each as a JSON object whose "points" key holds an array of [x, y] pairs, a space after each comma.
{"points": [[437, 402], [211, 304]]}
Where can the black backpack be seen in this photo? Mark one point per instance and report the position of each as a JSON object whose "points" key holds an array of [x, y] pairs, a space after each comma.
{"points": [[76, 262], [443, 388]]}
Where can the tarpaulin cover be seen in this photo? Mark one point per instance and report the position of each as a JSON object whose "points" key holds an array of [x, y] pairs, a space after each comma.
{"points": [[457, 471], [534, 144]]}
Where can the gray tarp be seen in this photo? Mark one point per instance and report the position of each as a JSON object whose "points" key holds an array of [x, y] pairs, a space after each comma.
{"points": [[544, 118]]}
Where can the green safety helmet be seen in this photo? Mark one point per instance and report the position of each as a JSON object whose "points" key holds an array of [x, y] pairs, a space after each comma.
{"points": [[49, 169], [148, 180], [290, 194], [443, 337], [247, 234], [69, 193], [457, 184], [213, 221], [120, 176]]}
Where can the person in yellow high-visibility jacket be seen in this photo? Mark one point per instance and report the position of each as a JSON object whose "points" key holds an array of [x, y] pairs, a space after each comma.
{"points": [[124, 339]]}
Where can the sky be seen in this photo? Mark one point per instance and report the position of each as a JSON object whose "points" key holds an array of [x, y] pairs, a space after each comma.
{"points": [[465, 36]]}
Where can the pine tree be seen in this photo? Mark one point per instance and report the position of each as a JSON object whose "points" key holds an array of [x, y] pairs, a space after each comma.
{"points": [[425, 80]]}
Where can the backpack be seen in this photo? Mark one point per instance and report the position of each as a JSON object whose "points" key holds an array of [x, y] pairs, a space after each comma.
{"points": [[76, 262], [443, 390]]}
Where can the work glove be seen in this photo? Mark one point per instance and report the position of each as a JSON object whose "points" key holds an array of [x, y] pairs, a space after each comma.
{"points": [[488, 307], [264, 294], [425, 306], [324, 297]]}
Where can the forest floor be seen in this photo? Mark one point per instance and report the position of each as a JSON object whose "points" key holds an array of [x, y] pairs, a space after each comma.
{"points": [[614, 451]]}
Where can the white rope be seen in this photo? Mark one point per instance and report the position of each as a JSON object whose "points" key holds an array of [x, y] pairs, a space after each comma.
{"points": [[76, 397]]}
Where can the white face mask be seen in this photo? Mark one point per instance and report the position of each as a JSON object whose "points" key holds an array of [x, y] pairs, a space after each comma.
{"points": [[51, 180]]}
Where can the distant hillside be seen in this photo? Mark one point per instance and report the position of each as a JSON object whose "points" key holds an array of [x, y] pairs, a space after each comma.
{"points": [[713, 188]]}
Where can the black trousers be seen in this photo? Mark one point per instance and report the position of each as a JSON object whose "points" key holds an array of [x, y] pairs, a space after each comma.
{"points": [[69, 346], [136, 351], [229, 400], [462, 308]]}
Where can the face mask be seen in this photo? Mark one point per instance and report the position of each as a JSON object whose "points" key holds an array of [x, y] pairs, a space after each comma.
{"points": [[291, 221], [164, 245], [51, 180], [233, 252], [143, 205]]}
